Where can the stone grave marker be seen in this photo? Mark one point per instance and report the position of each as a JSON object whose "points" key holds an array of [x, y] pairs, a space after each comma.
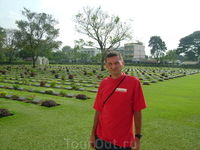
{"points": [[11, 87], [81, 89], [94, 90], [31, 90], [71, 95], [43, 92], [22, 98], [2, 86], [20, 89], [8, 96], [56, 93], [36, 101]]}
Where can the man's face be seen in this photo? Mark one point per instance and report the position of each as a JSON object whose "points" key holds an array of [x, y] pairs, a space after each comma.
{"points": [[114, 66]]}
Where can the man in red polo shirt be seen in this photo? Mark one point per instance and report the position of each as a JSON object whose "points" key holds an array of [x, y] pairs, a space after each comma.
{"points": [[118, 106]]}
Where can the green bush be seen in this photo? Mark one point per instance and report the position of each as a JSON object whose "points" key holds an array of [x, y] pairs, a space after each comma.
{"points": [[16, 86], [15, 96], [49, 91], [53, 83], [3, 93], [63, 93], [74, 86], [56, 75]]}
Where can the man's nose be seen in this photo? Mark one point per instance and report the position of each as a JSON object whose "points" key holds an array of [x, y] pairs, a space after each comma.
{"points": [[113, 66]]}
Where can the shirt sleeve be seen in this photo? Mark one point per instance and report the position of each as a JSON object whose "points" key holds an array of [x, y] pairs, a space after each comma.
{"points": [[98, 100], [139, 102]]}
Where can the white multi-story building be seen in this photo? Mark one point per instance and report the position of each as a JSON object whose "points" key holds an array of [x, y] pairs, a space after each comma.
{"points": [[131, 52]]}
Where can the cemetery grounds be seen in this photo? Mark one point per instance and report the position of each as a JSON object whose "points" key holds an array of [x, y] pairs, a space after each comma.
{"points": [[171, 120]]}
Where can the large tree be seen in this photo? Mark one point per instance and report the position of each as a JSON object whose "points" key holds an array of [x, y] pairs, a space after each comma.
{"points": [[190, 46], [158, 47], [38, 33], [68, 53], [171, 55], [10, 43], [105, 31], [2, 38]]}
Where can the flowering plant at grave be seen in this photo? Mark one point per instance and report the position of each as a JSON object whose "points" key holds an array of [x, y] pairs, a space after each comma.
{"points": [[30, 98], [99, 76]]}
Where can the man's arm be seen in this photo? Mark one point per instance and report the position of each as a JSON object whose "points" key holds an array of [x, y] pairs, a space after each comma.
{"points": [[96, 121], [138, 128]]}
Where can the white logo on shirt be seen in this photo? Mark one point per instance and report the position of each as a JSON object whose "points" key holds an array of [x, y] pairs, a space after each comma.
{"points": [[121, 90]]}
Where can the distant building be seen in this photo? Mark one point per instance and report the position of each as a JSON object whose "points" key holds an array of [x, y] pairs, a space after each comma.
{"points": [[131, 52], [134, 52], [42, 61], [90, 51], [189, 63]]}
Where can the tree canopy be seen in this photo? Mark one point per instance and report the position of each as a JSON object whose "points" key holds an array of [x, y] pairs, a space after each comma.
{"points": [[158, 47], [106, 31], [38, 33], [190, 45], [10, 43]]}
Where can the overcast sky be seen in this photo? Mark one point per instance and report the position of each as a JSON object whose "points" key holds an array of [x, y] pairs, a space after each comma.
{"points": [[169, 19]]}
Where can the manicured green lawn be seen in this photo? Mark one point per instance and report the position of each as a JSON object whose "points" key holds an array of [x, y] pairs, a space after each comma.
{"points": [[171, 121]]}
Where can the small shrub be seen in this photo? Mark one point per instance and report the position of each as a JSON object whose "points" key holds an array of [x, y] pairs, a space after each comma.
{"points": [[49, 91], [81, 96], [3, 71], [36, 91], [162, 74], [56, 75], [71, 76], [32, 74], [146, 83], [53, 83], [25, 81], [16, 82], [42, 83], [3, 93], [74, 86], [16, 86], [99, 76], [63, 76], [15, 96], [53, 71], [49, 103], [85, 73], [63, 93], [4, 112]]}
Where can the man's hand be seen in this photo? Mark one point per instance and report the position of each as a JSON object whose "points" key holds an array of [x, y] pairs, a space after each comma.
{"points": [[93, 141], [136, 144]]}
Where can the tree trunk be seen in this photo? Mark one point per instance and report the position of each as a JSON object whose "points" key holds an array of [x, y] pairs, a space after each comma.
{"points": [[34, 62], [10, 59], [102, 60]]}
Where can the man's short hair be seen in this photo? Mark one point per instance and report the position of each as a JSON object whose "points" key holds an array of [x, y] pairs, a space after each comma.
{"points": [[114, 53]]}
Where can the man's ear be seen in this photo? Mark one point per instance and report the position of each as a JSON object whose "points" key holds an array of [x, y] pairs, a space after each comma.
{"points": [[123, 63]]}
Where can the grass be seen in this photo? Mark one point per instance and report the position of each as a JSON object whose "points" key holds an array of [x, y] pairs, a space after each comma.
{"points": [[171, 120]]}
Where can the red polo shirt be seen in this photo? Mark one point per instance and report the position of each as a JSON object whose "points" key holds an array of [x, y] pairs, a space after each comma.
{"points": [[116, 119]]}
